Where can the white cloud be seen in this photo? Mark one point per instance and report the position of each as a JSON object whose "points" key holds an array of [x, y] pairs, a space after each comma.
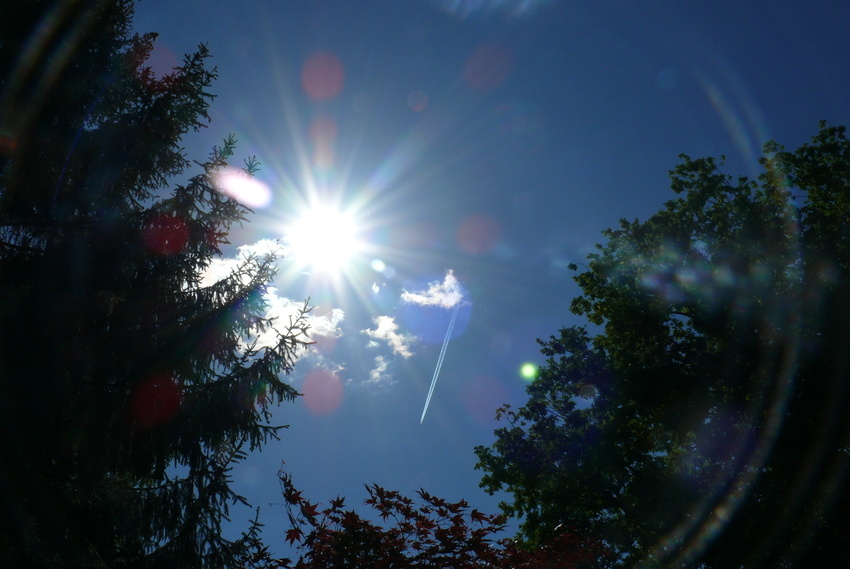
{"points": [[280, 308], [444, 294], [220, 268], [386, 329], [260, 248], [283, 309], [217, 270], [378, 374], [327, 325]]}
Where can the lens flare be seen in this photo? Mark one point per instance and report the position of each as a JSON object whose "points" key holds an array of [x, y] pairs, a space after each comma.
{"points": [[323, 133], [478, 233], [528, 371], [417, 100], [322, 391], [482, 396], [464, 9], [166, 234], [488, 67], [8, 144], [322, 76], [157, 400], [242, 187]]}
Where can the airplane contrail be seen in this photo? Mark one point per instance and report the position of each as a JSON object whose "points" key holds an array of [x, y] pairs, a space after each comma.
{"points": [[440, 362]]}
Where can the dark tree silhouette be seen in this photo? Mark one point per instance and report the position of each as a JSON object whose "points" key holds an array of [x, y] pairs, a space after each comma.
{"points": [[128, 384], [704, 420], [428, 533]]}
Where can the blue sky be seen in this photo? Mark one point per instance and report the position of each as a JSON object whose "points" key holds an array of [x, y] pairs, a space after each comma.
{"points": [[475, 148]]}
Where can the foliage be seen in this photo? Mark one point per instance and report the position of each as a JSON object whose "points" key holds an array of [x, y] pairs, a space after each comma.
{"points": [[706, 418], [434, 533], [129, 385]]}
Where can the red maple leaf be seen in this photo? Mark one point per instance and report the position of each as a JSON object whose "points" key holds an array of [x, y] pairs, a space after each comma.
{"points": [[293, 497], [310, 510], [293, 535]]}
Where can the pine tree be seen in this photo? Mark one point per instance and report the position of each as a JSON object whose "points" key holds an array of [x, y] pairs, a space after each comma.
{"points": [[129, 385]]}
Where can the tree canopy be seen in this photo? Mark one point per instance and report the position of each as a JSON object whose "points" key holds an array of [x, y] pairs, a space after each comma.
{"points": [[701, 414], [129, 382], [427, 533]]}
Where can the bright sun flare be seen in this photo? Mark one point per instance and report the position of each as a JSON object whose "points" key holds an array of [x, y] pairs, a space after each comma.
{"points": [[323, 238]]}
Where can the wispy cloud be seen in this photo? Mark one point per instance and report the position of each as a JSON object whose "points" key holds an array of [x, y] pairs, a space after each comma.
{"points": [[386, 329], [222, 267], [283, 309], [444, 294], [378, 374], [325, 325]]}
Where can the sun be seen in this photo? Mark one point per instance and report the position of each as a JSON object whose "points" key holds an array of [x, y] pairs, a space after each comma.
{"points": [[323, 238]]}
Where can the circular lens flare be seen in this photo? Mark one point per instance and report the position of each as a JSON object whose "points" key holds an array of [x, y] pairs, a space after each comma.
{"points": [[528, 371]]}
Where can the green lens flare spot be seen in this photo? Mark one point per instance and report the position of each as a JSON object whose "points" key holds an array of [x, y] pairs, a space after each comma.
{"points": [[528, 371]]}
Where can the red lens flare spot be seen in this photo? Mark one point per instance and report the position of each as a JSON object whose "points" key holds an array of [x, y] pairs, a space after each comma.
{"points": [[166, 234], [482, 396], [322, 134], [323, 131], [322, 392], [156, 401], [488, 66], [521, 128], [478, 234], [323, 158], [162, 60], [422, 235], [417, 100], [7, 144], [322, 76]]}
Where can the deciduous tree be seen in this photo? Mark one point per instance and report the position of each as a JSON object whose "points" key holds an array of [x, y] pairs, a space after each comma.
{"points": [[703, 415], [403, 533]]}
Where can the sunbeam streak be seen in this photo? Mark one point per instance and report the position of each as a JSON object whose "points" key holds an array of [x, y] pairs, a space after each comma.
{"points": [[440, 361]]}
